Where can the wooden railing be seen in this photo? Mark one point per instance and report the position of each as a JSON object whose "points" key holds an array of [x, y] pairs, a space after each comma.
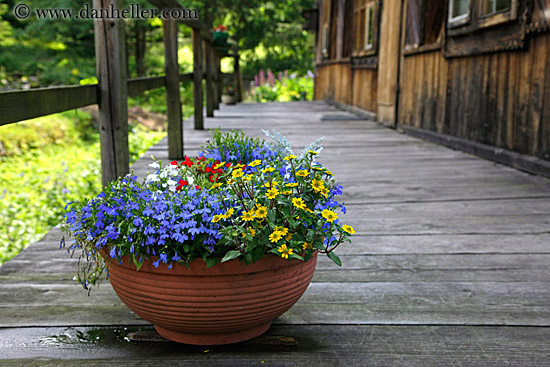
{"points": [[114, 87]]}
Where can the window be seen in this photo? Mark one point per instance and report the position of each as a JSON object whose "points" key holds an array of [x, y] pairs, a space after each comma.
{"points": [[324, 41], [489, 7], [459, 12], [369, 27], [480, 13], [424, 24], [365, 20]]}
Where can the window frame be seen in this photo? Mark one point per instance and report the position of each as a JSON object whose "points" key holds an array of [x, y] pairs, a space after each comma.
{"points": [[361, 26], [454, 22], [498, 17], [370, 6]]}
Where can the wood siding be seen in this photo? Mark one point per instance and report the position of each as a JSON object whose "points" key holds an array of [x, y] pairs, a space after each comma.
{"points": [[500, 99], [339, 82]]}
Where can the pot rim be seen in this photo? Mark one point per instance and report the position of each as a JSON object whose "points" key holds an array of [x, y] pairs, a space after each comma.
{"points": [[197, 267]]}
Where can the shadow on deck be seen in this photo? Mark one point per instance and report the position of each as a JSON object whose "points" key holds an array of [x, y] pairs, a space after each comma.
{"points": [[450, 266]]}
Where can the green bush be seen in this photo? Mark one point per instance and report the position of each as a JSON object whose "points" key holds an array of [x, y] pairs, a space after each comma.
{"points": [[36, 184], [289, 89]]}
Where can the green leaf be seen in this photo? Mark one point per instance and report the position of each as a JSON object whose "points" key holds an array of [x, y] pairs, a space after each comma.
{"points": [[212, 261], [335, 258], [231, 255]]}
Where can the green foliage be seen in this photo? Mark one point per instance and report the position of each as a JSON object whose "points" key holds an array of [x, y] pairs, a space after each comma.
{"points": [[57, 129], [36, 184], [289, 89]]}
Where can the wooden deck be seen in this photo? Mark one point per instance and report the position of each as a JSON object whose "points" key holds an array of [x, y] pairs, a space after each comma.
{"points": [[450, 266]]}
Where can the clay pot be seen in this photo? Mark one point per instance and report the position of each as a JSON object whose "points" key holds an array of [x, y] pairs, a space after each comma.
{"points": [[227, 303], [229, 99]]}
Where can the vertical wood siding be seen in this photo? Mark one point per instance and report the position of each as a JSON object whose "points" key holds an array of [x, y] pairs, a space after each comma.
{"points": [[501, 99], [338, 82]]}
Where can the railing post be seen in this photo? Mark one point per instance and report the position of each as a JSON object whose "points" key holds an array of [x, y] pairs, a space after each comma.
{"points": [[237, 74], [110, 51], [209, 82], [197, 79], [220, 80], [173, 99]]}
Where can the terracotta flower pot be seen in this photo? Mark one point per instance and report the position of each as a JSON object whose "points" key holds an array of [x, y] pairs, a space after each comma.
{"points": [[227, 303], [229, 99]]}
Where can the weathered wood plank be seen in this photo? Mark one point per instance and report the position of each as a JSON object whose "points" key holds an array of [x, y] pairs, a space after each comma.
{"points": [[110, 53], [337, 345], [137, 86], [44, 101], [208, 61], [173, 98], [197, 80]]}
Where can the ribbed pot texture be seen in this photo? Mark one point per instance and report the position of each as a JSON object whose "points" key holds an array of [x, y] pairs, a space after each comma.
{"points": [[227, 303]]}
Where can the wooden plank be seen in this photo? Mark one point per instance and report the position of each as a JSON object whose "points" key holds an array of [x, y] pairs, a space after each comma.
{"points": [[197, 80], [338, 345], [137, 86], [208, 58], [397, 303], [110, 52], [24, 105], [186, 77], [173, 98], [237, 75]]}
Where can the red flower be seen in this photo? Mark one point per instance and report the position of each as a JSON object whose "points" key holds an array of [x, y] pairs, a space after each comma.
{"points": [[181, 184], [208, 170], [197, 187], [228, 165], [174, 163], [188, 162]]}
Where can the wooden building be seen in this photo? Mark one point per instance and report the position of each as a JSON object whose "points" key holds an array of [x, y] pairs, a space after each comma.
{"points": [[477, 71]]}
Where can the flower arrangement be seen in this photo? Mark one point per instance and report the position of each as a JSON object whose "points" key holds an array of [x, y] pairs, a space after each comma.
{"points": [[240, 198]]}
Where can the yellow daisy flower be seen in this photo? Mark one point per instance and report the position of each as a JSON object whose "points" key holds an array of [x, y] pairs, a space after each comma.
{"points": [[328, 173], [237, 173], [252, 232], [307, 246], [268, 169], [312, 152], [216, 185], [216, 218], [302, 173], [272, 193], [289, 157], [282, 230], [219, 165], [247, 178], [329, 215], [255, 163], [348, 229], [287, 192], [299, 203], [275, 236], [285, 251], [247, 216], [292, 184], [261, 212]]}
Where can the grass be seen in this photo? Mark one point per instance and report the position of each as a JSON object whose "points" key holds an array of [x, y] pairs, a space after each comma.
{"points": [[38, 178]]}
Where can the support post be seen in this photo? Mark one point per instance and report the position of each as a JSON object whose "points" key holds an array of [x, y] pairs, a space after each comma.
{"points": [[220, 79], [238, 77], [209, 80], [110, 51], [173, 99], [197, 80]]}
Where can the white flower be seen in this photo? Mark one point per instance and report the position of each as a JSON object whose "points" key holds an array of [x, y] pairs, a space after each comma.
{"points": [[152, 177], [155, 165]]}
